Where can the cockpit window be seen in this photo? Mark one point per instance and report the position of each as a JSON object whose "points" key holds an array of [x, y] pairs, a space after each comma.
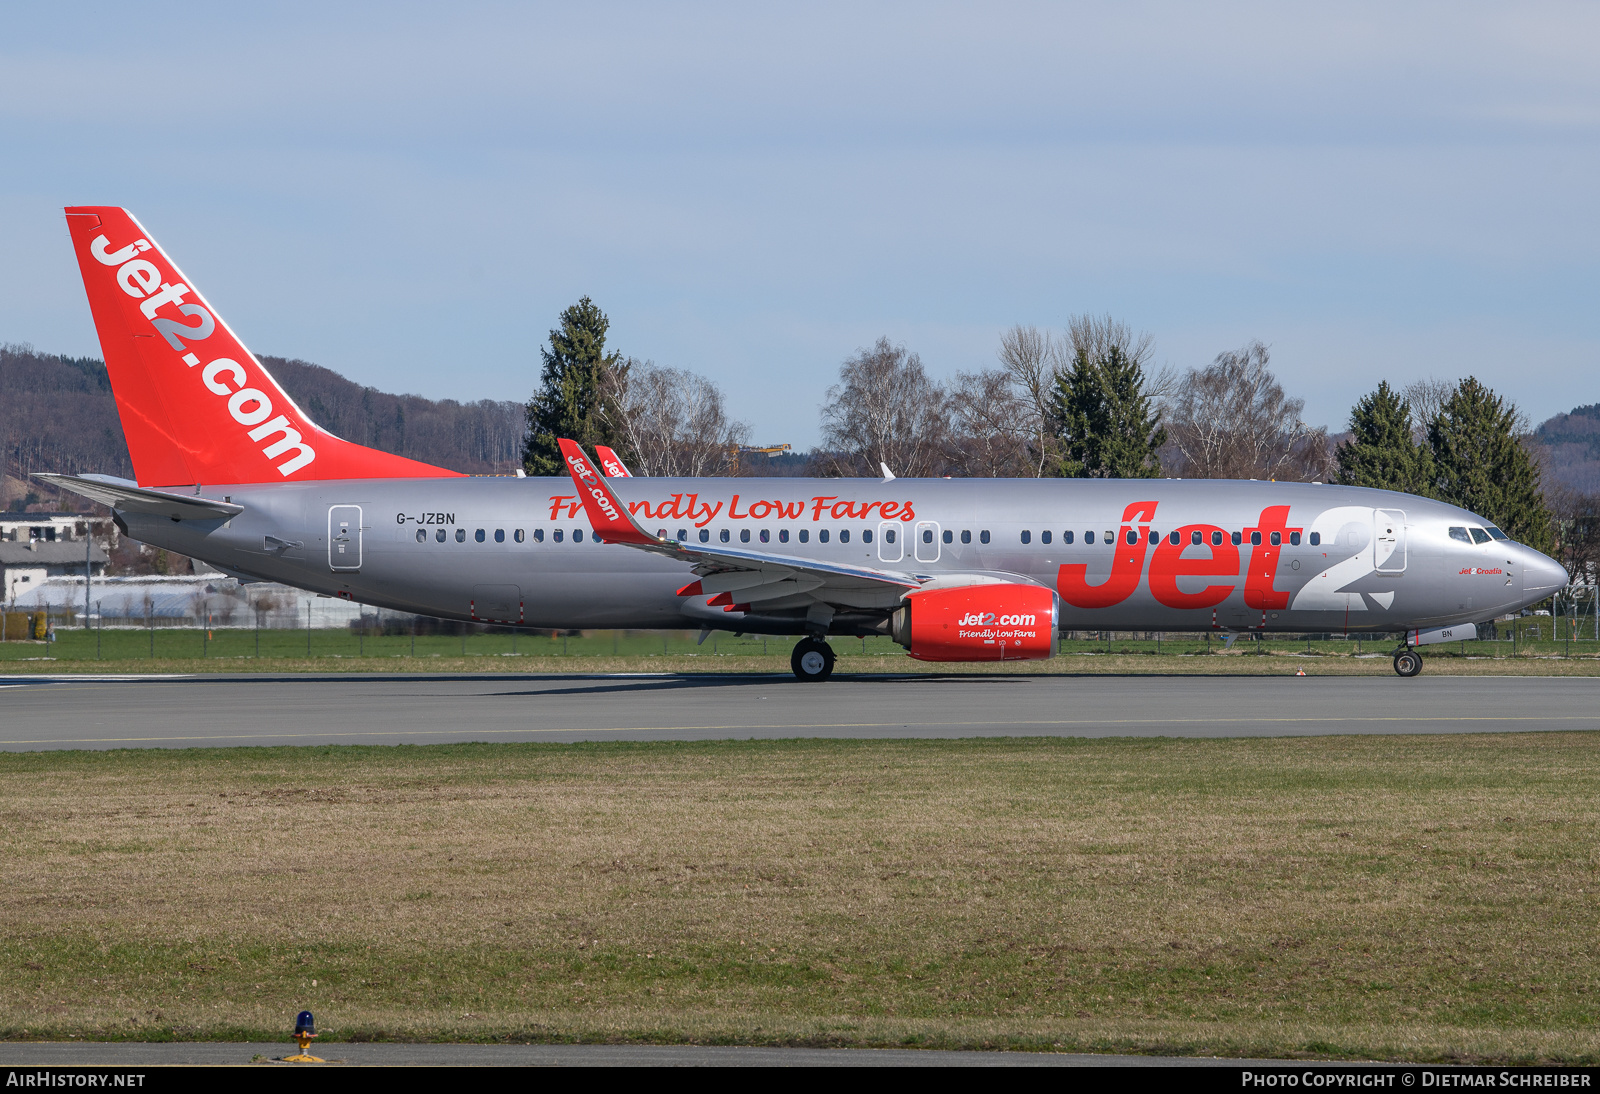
{"points": [[1497, 533], [1461, 534], [1480, 536]]}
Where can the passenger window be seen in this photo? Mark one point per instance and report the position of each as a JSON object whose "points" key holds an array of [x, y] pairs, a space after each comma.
{"points": [[1044, 537], [1461, 534], [1196, 538], [927, 535], [499, 535], [1255, 539], [844, 535], [1294, 539], [1133, 538], [888, 535], [538, 535], [461, 535], [478, 535], [949, 536], [783, 535], [1277, 539], [866, 535], [744, 535], [766, 536], [723, 535], [822, 536], [983, 536], [1316, 539], [1480, 536], [577, 535], [966, 535], [1175, 538], [1216, 539], [1088, 537], [705, 535], [1108, 537], [1066, 537], [422, 535], [519, 535], [683, 535], [556, 535], [805, 535], [1237, 539], [439, 535], [1026, 536]]}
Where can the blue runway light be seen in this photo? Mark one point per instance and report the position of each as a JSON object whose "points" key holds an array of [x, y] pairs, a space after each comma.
{"points": [[304, 1023]]}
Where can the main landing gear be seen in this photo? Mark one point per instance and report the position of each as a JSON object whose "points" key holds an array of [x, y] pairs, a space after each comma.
{"points": [[812, 660], [1407, 662]]}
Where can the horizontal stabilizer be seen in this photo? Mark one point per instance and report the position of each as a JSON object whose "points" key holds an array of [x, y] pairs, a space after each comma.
{"points": [[130, 497]]}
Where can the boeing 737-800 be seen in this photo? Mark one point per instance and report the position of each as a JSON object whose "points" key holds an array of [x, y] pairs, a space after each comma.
{"points": [[230, 471]]}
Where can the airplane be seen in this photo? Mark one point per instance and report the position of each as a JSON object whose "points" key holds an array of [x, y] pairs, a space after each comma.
{"points": [[230, 471]]}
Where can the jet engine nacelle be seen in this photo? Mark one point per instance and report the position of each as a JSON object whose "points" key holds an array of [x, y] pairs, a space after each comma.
{"points": [[979, 623]]}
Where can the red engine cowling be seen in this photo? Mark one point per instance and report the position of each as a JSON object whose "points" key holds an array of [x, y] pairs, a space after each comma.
{"points": [[979, 623]]}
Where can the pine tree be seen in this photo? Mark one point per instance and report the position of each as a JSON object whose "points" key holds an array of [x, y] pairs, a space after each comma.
{"points": [[573, 399], [1382, 453], [1480, 464], [1104, 419]]}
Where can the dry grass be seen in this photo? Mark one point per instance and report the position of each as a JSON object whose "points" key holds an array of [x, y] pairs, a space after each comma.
{"points": [[1416, 898]]}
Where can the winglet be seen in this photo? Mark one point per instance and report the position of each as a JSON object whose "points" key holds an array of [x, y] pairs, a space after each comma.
{"points": [[610, 518], [610, 464]]}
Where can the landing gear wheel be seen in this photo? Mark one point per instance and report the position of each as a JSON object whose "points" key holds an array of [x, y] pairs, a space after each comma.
{"points": [[1407, 663], [812, 660]]}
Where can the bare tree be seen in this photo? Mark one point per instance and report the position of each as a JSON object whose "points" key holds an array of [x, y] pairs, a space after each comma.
{"points": [[885, 410], [993, 426], [673, 421], [1232, 420], [1426, 398], [1031, 359]]}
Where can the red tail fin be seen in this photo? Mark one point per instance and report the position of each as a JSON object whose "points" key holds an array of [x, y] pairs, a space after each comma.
{"points": [[610, 464], [196, 406]]}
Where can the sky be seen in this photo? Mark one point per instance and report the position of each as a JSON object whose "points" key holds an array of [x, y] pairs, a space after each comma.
{"points": [[411, 194]]}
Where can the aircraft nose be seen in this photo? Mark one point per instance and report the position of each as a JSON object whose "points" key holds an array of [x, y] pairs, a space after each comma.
{"points": [[1541, 572]]}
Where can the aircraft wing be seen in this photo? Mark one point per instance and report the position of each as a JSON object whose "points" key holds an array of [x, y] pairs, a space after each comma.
{"points": [[131, 497], [734, 576]]}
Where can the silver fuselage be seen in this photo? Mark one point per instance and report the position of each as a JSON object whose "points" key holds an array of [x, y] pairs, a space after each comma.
{"points": [[1383, 561]]}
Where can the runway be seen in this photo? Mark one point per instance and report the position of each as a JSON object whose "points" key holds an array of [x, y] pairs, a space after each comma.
{"points": [[204, 711]]}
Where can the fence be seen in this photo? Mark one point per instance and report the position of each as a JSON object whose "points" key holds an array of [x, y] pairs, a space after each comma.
{"points": [[396, 635]]}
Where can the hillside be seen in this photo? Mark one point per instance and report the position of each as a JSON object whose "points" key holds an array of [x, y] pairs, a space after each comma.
{"points": [[1572, 444], [57, 414]]}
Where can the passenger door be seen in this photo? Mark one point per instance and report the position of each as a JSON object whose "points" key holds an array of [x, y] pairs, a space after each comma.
{"points": [[1389, 541], [344, 538]]}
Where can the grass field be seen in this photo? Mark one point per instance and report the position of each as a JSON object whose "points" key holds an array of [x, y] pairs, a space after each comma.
{"points": [[1425, 898], [227, 650]]}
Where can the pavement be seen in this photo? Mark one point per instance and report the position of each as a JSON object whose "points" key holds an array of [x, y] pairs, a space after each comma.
{"points": [[39, 712], [134, 1054]]}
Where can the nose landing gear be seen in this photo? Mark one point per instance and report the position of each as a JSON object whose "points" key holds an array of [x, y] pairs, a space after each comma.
{"points": [[1407, 662], [812, 660]]}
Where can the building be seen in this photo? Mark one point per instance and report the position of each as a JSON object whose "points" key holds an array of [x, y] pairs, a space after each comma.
{"points": [[208, 600], [26, 564], [35, 547]]}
